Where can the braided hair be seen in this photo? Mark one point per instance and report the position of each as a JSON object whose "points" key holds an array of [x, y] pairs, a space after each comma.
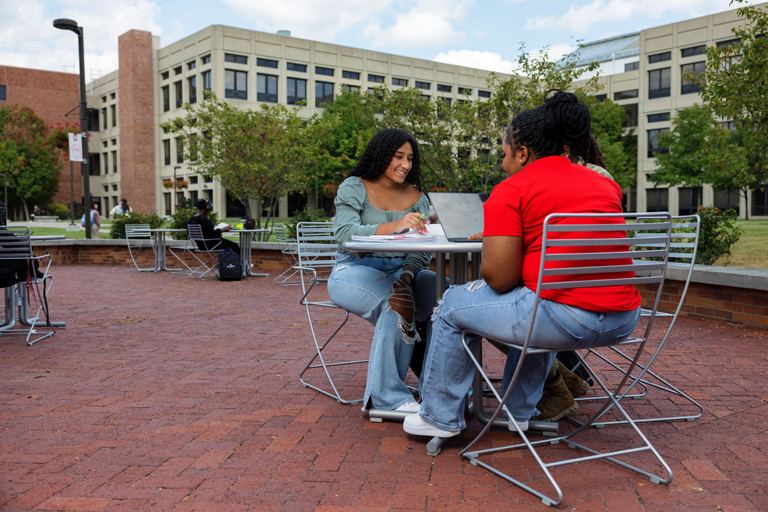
{"points": [[381, 150], [565, 108]]}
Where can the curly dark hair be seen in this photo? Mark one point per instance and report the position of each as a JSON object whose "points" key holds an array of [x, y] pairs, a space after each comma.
{"points": [[545, 130], [565, 106], [381, 150]]}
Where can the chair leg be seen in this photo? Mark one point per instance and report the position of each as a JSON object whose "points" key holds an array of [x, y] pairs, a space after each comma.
{"points": [[319, 355], [136, 266]]}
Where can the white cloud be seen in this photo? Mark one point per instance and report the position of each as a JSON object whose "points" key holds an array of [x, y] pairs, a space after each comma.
{"points": [[477, 59], [29, 40], [555, 52], [596, 14], [312, 19], [428, 23]]}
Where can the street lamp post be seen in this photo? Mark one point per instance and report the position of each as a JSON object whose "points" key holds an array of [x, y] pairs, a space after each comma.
{"points": [[175, 189], [71, 25]]}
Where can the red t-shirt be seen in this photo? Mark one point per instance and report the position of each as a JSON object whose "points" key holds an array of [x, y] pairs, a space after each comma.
{"points": [[519, 205]]}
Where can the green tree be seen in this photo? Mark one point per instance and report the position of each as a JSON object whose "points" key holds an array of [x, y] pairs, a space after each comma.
{"points": [[617, 144], [735, 84], [254, 154], [30, 163]]}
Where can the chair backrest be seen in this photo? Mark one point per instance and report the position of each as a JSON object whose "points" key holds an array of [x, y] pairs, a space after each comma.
{"points": [[195, 232], [652, 256], [137, 231], [15, 243], [281, 234], [316, 245]]}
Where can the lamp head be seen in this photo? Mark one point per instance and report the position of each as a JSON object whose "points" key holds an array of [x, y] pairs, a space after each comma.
{"points": [[66, 24]]}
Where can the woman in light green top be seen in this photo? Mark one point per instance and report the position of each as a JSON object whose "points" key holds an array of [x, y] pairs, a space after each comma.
{"points": [[383, 196]]}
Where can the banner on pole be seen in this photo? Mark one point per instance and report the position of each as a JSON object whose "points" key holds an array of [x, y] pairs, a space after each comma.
{"points": [[75, 147]]}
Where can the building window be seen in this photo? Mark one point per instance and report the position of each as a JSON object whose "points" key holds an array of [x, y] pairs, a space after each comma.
{"points": [[323, 71], [266, 63], [653, 142], [423, 85], [106, 163], [658, 83], [730, 42], [447, 101], [729, 125], [207, 86], [483, 94], [193, 196], [352, 88], [114, 161], [726, 200], [206, 60], [103, 99], [657, 118], [631, 110], [444, 88], [112, 95], [376, 78], [163, 75], [237, 59], [266, 88], [297, 90], [400, 81], [193, 180], [323, 94], [192, 85], [114, 142], [631, 66], [167, 201], [114, 188], [179, 151], [690, 86], [464, 91], [177, 70], [207, 179], [760, 202], [625, 95], [656, 200], [292, 66], [104, 115], [166, 102], [426, 97], [601, 97], [104, 143], [191, 65], [688, 200], [690, 52], [235, 84], [178, 90], [167, 152], [113, 114], [659, 57], [352, 75]]}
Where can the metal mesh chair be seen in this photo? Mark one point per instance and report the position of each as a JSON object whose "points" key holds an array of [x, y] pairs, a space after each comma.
{"points": [[135, 233], [290, 252], [581, 239], [205, 257], [316, 252], [683, 247], [16, 244]]}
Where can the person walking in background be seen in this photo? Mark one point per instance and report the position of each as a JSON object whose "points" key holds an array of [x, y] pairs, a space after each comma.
{"points": [[95, 221], [120, 208]]}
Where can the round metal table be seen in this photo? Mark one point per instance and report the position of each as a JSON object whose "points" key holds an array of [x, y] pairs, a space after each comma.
{"points": [[246, 237]]}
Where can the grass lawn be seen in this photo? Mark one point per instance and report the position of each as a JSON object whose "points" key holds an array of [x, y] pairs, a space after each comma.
{"points": [[751, 251]]}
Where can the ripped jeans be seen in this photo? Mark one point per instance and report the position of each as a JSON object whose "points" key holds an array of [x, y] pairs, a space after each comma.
{"points": [[363, 287], [448, 371]]}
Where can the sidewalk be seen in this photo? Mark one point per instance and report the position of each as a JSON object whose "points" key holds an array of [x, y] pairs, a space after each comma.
{"points": [[166, 393]]}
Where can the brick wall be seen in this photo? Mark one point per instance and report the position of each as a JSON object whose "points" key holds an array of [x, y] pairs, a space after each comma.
{"points": [[136, 118], [51, 95]]}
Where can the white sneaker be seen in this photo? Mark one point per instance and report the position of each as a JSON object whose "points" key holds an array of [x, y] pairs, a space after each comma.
{"points": [[411, 406], [523, 426], [416, 425]]}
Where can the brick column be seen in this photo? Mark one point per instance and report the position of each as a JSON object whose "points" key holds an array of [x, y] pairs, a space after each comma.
{"points": [[136, 120]]}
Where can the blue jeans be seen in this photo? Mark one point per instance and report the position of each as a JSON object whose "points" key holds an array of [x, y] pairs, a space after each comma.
{"points": [[362, 287], [448, 370]]}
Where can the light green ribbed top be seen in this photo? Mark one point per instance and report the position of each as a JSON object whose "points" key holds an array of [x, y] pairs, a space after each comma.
{"points": [[356, 217]]}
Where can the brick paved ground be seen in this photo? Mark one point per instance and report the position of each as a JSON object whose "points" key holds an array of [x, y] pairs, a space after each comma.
{"points": [[171, 394]]}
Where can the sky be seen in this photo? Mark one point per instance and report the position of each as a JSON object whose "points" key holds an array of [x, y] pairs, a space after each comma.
{"points": [[485, 34]]}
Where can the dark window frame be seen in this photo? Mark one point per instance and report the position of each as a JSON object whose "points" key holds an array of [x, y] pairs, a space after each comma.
{"points": [[166, 151], [659, 207], [294, 66], [292, 100], [235, 59], [631, 66], [659, 92], [659, 118], [163, 76], [444, 88], [464, 91], [421, 85], [693, 51], [191, 65], [205, 60], [484, 94], [400, 82], [266, 95], [659, 57], [321, 103], [113, 114], [321, 70], [192, 89], [266, 63], [351, 75], [207, 80], [177, 70], [236, 93], [653, 141], [631, 108], [166, 93], [179, 91], [687, 86], [377, 79], [631, 94]]}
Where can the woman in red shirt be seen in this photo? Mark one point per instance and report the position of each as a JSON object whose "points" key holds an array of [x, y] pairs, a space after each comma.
{"points": [[500, 305]]}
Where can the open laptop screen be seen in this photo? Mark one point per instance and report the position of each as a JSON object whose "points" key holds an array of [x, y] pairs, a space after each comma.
{"points": [[461, 215]]}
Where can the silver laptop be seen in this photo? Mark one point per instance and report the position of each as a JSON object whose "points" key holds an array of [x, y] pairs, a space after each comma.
{"points": [[461, 215]]}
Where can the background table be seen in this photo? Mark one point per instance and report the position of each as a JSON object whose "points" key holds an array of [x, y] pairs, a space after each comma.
{"points": [[158, 243], [246, 236], [458, 273]]}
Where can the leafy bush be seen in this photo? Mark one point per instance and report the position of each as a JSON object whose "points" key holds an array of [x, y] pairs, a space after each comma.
{"points": [[306, 215], [59, 210], [119, 221], [718, 235], [180, 220]]}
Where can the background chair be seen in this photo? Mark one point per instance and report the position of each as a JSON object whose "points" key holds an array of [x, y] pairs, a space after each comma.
{"points": [[133, 234], [290, 252], [655, 246], [205, 257], [316, 252]]}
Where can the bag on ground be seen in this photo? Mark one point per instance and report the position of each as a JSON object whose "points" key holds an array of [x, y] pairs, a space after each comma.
{"points": [[229, 266]]}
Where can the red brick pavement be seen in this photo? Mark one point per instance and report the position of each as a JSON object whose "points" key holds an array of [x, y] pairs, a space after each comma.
{"points": [[171, 394]]}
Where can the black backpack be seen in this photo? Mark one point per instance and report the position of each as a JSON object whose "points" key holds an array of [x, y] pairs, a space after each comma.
{"points": [[229, 266], [13, 272]]}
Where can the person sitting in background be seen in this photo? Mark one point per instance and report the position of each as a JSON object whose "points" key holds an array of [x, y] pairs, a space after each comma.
{"points": [[212, 234], [36, 211]]}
